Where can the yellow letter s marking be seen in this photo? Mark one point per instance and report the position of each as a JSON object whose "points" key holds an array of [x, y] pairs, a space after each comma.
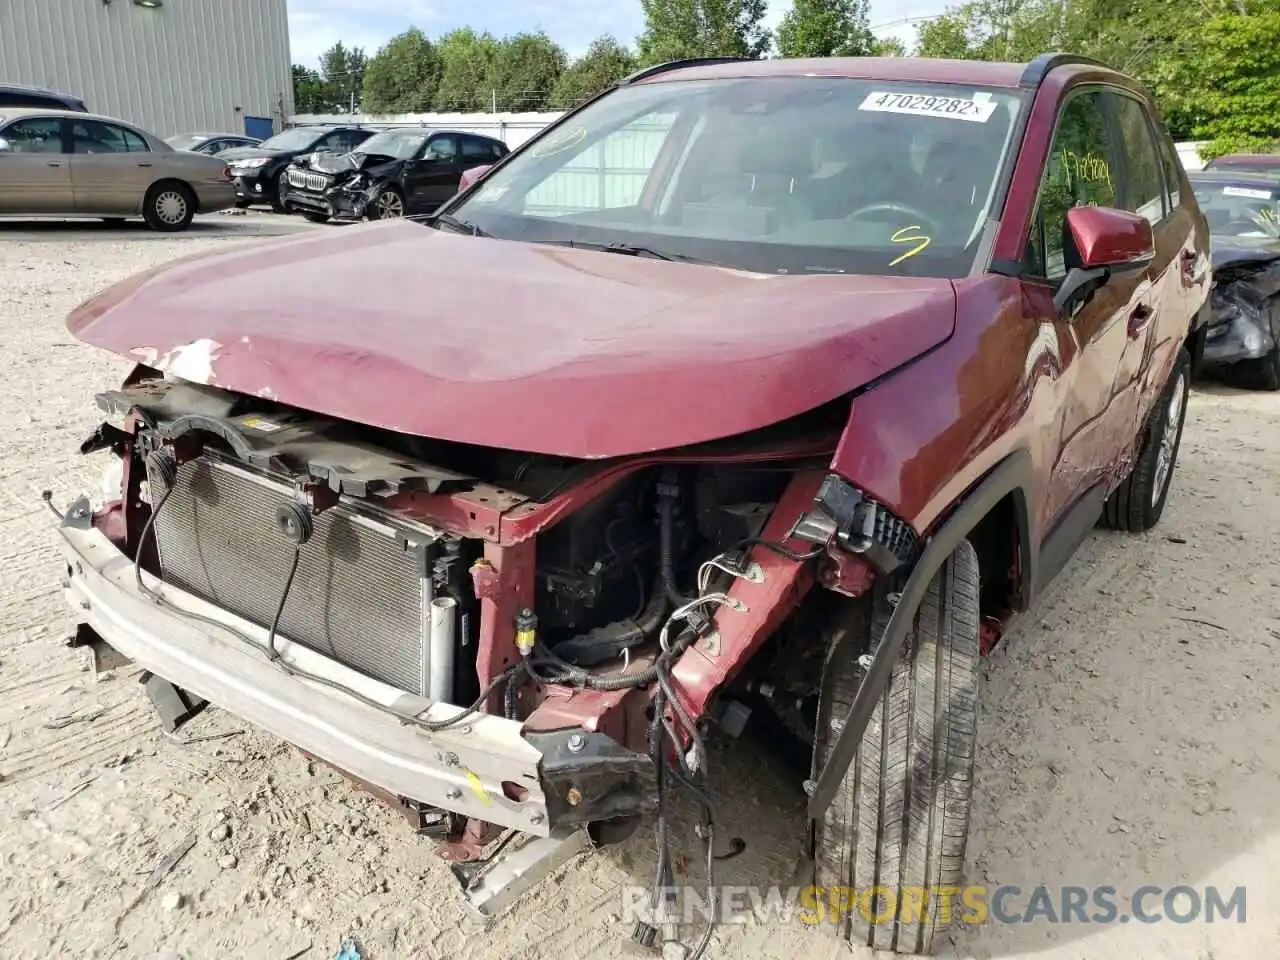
{"points": [[906, 235]]}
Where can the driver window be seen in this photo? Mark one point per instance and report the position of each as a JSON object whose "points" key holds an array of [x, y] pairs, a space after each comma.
{"points": [[1077, 173], [442, 148]]}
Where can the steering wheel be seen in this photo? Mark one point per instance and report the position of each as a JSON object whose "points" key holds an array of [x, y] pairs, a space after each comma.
{"points": [[911, 214]]}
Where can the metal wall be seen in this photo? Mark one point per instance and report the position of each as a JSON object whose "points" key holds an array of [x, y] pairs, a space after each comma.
{"points": [[186, 66]]}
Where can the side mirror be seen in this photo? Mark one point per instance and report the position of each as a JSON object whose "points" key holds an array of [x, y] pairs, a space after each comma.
{"points": [[4, 145], [471, 176], [1103, 240]]}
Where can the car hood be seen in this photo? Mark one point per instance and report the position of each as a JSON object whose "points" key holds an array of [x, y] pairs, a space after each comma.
{"points": [[1232, 250], [339, 163], [521, 346]]}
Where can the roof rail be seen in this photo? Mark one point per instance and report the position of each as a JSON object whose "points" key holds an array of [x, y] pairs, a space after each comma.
{"points": [[653, 71], [1039, 68]]}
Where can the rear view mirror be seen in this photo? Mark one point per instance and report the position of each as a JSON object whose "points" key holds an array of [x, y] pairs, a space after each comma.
{"points": [[1102, 241]]}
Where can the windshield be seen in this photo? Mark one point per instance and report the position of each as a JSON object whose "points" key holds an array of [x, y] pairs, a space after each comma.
{"points": [[776, 175], [1240, 209], [402, 146], [296, 139], [186, 142]]}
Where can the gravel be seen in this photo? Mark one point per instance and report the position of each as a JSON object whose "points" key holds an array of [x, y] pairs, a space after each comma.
{"points": [[1113, 707]]}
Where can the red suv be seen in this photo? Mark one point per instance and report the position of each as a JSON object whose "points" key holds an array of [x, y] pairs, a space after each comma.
{"points": [[748, 389]]}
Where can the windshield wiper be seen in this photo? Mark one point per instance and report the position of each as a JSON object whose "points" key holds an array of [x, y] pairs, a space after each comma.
{"points": [[449, 220], [634, 250]]}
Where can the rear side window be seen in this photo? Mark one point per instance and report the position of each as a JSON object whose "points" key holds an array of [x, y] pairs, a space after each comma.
{"points": [[1142, 183], [475, 149], [93, 136], [498, 150], [1078, 173]]}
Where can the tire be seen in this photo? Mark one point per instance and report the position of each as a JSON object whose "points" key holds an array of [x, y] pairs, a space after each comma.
{"points": [[169, 206], [279, 194], [315, 217], [900, 821], [1138, 503], [387, 205], [243, 204], [1263, 373]]}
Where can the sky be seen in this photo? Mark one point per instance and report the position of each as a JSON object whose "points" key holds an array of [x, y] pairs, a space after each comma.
{"points": [[316, 25]]}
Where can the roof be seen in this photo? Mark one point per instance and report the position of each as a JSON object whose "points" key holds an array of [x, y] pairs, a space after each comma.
{"points": [[28, 88], [1232, 176], [11, 113], [1269, 159], [918, 69]]}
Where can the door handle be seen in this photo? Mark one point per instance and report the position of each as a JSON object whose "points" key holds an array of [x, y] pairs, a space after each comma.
{"points": [[1139, 317], [54, 163], [144, 163]]}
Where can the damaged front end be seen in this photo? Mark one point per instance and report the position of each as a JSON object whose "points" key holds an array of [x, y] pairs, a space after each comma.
{"points": [[497, 643], [1245, 322], [341, 186]]}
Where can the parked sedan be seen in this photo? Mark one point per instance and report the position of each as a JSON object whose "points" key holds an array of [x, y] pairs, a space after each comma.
{"points": [[1243, 340], [66, 164], [211, 144], [389, 175]]}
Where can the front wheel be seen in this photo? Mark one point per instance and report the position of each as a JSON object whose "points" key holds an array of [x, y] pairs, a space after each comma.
{"points": [[386, 205], [280, 195], [1138, 503], [894, 837], [1263, 373]]}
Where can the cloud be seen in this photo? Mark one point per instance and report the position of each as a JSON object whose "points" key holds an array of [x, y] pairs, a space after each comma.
{"points": [[316, 25]]}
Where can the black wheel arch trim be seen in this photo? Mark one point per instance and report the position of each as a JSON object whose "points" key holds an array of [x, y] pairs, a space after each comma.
{"points": [[1012, 476]]}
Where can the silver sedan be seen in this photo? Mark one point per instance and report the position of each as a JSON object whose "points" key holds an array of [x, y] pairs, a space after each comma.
{"points": [[64, 164]]}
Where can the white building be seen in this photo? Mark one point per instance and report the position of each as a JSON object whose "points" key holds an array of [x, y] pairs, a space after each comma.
{"points": [[170, 66]]}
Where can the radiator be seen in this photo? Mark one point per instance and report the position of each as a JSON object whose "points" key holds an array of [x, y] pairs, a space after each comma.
{"points": [[359, 596]]}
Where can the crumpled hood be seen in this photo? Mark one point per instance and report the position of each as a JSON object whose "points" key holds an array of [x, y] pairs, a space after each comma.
{"points": [[1232, 250], [522, 346], [335, 163]]}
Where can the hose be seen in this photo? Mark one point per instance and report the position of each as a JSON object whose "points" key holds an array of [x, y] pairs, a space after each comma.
{"points": [[666, 546]]}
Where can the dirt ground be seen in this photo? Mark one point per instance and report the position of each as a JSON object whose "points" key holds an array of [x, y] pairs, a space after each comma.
{"points": [[1130, 732]]}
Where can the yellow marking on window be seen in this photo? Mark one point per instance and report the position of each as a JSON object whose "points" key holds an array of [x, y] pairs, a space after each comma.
{"points": [[906, 235]]}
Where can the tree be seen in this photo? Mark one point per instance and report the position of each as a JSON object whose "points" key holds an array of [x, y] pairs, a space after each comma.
{"points": [[888, 47], [342, 71], [603, 65], [825, 28], [525, 70], [402, 76], [467, 68], [308, 91], [677, 29]]}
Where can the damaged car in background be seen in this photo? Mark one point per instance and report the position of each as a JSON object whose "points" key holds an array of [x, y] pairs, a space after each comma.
{"points": [[391, 174], [1243, 341], [783, 410]]}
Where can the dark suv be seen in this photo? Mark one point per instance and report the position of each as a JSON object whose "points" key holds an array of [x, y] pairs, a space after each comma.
{"points": [[767, 389], [258, 169], [20, 95]]}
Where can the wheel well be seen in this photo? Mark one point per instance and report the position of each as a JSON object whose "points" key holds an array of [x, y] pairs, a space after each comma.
{"points": [[998, 541]]}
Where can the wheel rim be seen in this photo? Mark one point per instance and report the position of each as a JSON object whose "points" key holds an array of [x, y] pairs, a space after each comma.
{"points": [[1169, 439], [389, 205], [171, 206]]}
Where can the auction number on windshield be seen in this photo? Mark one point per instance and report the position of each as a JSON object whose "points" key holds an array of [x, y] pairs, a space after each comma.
{"points": [[955, 108], [911, 234]]}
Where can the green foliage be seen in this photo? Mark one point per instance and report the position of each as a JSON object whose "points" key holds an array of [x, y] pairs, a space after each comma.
{"points": [[677, 29], [402, 76], [308, 91], [342, 75], [1213, 65], [524, 71], [468, 66], [603, 65], [888, 47], [825, 28]]}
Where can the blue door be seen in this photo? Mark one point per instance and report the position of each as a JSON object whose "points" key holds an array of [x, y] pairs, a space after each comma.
{"points": [[260, 127]]}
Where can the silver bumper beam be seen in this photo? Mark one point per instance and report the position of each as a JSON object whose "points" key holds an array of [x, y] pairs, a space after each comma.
{"points": [[461, 769]]}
